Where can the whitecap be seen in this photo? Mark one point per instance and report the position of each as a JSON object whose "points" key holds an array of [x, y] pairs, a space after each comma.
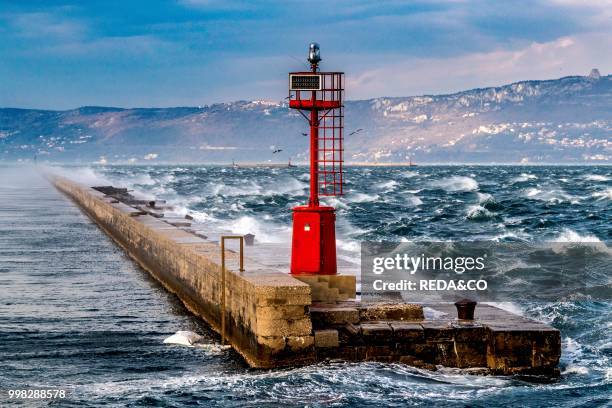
{"points": [[505, 235], [553, 195], [456, 183], [524, 177], [349, 246], [387, 185], [485, 198], [362, 197], [603, 195], [568, 235], [138, 180], [413, 201], [575, 369], [286, 185], [266, 232], [478, 213], [409, 174], [596, 177]]}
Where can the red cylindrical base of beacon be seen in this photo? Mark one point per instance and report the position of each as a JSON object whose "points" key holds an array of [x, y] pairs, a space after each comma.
{"points": [[313, 249]]}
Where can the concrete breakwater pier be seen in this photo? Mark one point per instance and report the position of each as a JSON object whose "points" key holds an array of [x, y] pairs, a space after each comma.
{"points": [[274, 319]]}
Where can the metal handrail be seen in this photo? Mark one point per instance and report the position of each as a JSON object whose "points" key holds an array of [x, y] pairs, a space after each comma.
{"points": [[223, 238]]}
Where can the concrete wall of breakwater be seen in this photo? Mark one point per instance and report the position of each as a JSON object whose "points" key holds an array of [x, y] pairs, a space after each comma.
{"points": [[266, 312]]}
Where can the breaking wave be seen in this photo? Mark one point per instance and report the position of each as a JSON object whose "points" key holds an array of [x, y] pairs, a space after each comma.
{"points": [[524, 177], [596, 177], [456, 183]]}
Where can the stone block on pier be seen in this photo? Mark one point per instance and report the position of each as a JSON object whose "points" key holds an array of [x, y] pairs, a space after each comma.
{"points": [[326, 338]]}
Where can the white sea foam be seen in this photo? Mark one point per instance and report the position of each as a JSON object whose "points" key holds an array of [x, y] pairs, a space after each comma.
{"points": [[596, 177], [552, 195], [83, 175], [413, 201], [456, 183], [524, 177], [409, 174], [140, 179], [575, 369], [286, 185], [433, 314], [387, 185], [349, 246], [264, 231], [478, 213], [222, 189], [506, 235], [184, 338], [603, 195], [569, 235], [362, 197], [508, 307]]}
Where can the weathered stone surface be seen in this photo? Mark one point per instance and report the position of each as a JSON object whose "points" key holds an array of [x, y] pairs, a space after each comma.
{"points": [[391, 311], [330, 288], [282, 312], [408, 360], [274, 343], [471, 345], [407, 332], [346, 284], [513, 349], [437, 330], [298, 343], [376, 333], [282, 327], [324, 315], [326, 338]]}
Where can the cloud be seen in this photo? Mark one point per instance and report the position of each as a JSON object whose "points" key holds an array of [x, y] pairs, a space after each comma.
{"points": [[193, 52], [415, 76], [44, 25], [53, 33], [151, 156], [207, 147]]}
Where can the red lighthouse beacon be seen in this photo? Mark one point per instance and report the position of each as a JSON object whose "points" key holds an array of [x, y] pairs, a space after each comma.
{"points": [[318, 96]]}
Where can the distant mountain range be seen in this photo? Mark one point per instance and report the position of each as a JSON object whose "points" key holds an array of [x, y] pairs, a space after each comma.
{"points": [[566, 120]]}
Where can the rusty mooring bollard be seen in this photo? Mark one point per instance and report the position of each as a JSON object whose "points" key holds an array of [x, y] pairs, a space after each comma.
{"points": [[249, 239], [465, 309]]}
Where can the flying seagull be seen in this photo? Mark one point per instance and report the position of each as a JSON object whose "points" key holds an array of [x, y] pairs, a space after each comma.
{"points": [[355, 131], [277, 151]]}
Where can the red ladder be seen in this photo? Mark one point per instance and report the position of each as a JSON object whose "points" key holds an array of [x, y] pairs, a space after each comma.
{"points": [[331, 152]]}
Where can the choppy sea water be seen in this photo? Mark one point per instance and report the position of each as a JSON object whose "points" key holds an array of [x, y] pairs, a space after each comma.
{"points": [[76, 313]]}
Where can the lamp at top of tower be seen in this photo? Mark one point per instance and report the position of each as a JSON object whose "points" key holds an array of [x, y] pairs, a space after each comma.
{"points": [[314, 54]]}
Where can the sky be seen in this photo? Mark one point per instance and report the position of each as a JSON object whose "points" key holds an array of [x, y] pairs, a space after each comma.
{"points": [[130, 53]]}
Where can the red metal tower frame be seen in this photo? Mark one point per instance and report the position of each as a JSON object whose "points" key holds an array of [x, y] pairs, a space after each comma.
{"points": [[321, 94]]}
